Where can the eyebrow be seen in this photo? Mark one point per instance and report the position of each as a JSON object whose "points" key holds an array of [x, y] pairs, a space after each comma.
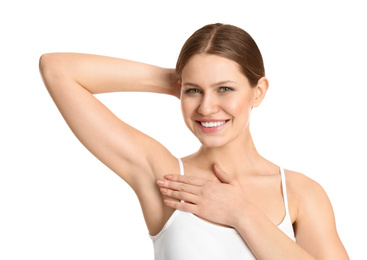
{"points": [[224, 82]]}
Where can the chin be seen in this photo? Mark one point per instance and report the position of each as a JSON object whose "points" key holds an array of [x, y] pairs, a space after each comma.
{"points": [[212, 142]]}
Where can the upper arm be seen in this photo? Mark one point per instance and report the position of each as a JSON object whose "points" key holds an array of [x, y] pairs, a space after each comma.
{"points": [[315, 227], [127, 151]]}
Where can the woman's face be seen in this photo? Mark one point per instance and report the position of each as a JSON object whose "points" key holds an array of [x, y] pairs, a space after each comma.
{"points": [[216, 99]]}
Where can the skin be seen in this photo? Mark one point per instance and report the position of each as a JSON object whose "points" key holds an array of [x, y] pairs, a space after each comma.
{"points": [[229, 193]]}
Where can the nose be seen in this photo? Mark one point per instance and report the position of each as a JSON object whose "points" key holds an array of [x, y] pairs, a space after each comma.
{"points": [[208, 105]]}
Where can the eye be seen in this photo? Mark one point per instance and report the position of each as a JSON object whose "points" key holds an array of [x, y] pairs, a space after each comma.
{"points": [[192, 91], [225, 89]]}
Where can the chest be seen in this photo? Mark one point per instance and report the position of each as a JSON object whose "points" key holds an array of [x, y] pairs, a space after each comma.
{"points": [[265, 192]]}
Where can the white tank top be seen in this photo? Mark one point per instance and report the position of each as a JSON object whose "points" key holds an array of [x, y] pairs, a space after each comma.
{"points": [[187, 237]]}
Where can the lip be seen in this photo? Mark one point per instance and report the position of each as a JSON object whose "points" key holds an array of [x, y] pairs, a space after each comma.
{"points": [[211, 129]]}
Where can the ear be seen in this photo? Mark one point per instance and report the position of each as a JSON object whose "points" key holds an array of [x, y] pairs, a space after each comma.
{"points": [[260, 91], [179, 83]]}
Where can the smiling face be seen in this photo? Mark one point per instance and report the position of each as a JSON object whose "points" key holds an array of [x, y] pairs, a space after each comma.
{"points": [[216, 99]]}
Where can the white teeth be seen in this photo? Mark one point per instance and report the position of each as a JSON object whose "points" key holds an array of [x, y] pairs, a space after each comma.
{"points": [[212, 124]]}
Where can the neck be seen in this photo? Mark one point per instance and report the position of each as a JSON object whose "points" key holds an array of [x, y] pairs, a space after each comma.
{"points": [[236, 158]]}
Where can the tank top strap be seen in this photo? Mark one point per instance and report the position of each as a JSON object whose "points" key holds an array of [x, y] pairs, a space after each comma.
{"points": [[181, 170], [284, 189], [181, 166]]}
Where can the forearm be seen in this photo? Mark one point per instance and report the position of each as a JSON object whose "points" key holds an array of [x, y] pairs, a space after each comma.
{"points": [[265, 239], [100, 74]]}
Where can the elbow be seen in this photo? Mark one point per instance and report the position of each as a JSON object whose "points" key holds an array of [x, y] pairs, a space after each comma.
{"points": [[42, 64], [46, 67], [52, 68]]}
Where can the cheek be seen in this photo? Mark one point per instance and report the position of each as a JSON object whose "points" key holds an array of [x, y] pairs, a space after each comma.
{"points": [[239, 106], [183, 108], [187, 109]]}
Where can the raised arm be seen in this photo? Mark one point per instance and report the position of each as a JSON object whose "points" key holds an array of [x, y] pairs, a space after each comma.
{"points": [[101, 74], [72, 79]]}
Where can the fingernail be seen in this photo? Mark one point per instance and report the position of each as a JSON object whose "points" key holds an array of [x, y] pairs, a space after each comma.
{"points": [[169, 177], [164, 191], [160, 182]]}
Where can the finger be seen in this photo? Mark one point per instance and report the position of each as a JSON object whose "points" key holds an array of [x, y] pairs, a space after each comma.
{"points": [[186, 179], [178, 195], [182, 206], [178, 186], [222, 175]]}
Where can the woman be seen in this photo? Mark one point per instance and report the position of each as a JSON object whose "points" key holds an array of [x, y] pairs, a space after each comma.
{"points": [[223, 202]]}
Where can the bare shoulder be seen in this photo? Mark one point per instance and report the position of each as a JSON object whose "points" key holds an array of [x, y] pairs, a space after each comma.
{"points": [[300, 185], [301, 188], [313, 217]]}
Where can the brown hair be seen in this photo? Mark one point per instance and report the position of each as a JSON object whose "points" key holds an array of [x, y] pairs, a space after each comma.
{"points": [[227, 41]]}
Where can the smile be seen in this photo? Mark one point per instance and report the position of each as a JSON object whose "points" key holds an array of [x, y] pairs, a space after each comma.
{"points": [[212, 124]]}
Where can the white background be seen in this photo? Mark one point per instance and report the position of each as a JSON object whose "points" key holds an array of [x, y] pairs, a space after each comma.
{"points": [[58, 202]]}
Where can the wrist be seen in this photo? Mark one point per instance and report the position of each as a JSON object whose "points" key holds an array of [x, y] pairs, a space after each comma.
{"points": [[241, 217], [172, 83], [164, 81]]}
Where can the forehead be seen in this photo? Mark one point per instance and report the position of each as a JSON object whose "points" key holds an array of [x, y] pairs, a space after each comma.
{"points": [[208, 69]]}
